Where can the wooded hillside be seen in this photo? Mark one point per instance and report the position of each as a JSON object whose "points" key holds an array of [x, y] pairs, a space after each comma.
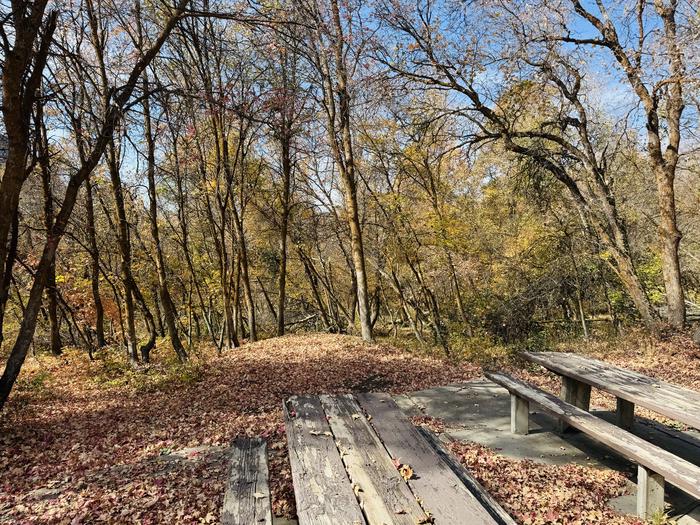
{"points": [[220, 172]]}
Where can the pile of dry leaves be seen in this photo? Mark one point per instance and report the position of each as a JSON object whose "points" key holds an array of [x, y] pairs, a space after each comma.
{"points": [[538, 494]]}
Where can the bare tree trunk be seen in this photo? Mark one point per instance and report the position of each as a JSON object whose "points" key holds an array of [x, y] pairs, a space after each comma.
{"points": [[669, 239], [144, 349], [288, 73], [245, 275], [95, 266], [337, 107], [166, 299], [124, 244], [666, 166], [69, 316], [24, 59], [184, 227], [284, 228], [159, 314], [43, 150], [404, 306], [122, 229], [268, 301], [313, 281], [7, 274]]}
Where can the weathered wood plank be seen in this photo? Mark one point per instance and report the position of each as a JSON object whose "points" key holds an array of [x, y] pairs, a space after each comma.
{"points": [[677, 471], [650, 492], [476, 488], [519, 415], [384, 495], [575, 393], [438, 488], [672, 401], [247, 495], [625, 414], [322, 489]]}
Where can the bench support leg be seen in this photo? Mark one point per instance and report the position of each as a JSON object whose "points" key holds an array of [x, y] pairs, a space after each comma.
{"points": [[519, 415], [650, 492], [575, 393], [625, 414]]}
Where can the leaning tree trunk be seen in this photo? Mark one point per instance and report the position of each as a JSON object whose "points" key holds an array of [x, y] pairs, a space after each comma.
{"points": [[341, 144]]}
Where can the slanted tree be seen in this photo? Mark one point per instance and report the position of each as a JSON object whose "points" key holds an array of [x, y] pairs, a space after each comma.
{"points": [[118, 104], [26, 34]]}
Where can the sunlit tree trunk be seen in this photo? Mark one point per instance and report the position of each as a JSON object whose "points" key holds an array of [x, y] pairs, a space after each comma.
{"points": [[94, 266], [337, 107], [43, 150], [165, 297]]}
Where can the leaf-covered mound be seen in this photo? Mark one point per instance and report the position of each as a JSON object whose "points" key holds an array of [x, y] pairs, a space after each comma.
{"points": [[93, 442]]}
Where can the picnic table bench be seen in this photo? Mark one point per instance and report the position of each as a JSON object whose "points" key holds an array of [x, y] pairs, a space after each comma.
{"points": [[655, 465], [350, 459], [580, 373], [358, 459], [247, 494]]}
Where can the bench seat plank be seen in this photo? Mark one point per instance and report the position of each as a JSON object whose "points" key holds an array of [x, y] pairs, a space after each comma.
{"points": [[247, 495], [441, 492], [675, 470], [322, 490], [384, 495], [672, 401], [476, 488]]}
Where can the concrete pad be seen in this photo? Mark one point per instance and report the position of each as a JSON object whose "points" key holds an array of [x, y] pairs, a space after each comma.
{"points": [[692, 518], [479, 411]]}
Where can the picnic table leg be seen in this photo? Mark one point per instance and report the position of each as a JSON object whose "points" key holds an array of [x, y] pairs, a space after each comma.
{"points": [[650, 493], [625, 413], [519, 415], [575, 393]]}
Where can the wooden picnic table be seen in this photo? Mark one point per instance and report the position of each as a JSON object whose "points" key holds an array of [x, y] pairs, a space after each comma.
{"points": [[580, 373], [655, 465], [346, 454]]}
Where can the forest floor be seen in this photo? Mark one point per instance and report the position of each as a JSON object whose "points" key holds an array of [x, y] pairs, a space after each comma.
{"points": [[86, 442]]}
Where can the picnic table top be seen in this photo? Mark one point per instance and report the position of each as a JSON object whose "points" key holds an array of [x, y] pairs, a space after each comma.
{"points": [[675, 402], [350, 459]]}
